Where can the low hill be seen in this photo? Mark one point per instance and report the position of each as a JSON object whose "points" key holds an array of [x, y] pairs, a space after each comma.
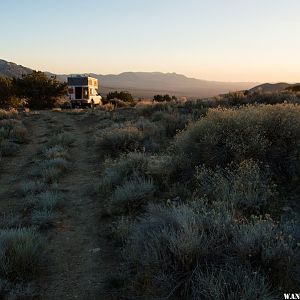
{"points": [[272, 87], [10, 69]]}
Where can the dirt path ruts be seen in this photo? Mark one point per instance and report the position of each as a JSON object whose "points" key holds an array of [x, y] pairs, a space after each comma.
{"points": [[78, 252]]}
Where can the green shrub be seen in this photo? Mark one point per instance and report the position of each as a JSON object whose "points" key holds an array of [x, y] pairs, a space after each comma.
{"points": [[20, 253]]}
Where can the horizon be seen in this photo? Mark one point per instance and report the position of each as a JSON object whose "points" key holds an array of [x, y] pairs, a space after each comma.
{"points": [[217, 41]]}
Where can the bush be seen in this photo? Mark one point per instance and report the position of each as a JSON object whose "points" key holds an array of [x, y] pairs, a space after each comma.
{"points": [[8, 114], [265, 133], [245, 187], [20, 253], [31, 187], [16, 291], [171, 123], [56, 152], [63, 139], [12, 133], [122, 169], [123, 96], [119, 140], [196, 251], [230, 282], [43, 218], [51, 170], [49, 200], [132, 195], [8, 148]]}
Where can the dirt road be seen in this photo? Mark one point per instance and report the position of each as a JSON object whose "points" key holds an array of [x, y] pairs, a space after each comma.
{"points": [[78, 257]]}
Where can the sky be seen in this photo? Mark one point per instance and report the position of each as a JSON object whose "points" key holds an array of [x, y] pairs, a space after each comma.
{"points": [[224, 40]]}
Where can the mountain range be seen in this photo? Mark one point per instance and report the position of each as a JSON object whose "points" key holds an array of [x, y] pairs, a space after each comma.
{"points": [[147, 84]]}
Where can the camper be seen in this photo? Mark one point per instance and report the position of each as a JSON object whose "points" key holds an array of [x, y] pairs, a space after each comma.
{"points": [[83, 91]]}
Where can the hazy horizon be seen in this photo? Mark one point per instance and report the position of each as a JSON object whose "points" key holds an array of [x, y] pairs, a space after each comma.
{"points": [[231, 41]]}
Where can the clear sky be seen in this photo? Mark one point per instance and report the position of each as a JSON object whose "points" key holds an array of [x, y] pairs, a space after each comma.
{"points": [[228, 40]]}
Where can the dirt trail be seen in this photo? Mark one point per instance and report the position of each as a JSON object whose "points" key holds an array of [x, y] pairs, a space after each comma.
{"points": [[78, 252], [14, 169]]}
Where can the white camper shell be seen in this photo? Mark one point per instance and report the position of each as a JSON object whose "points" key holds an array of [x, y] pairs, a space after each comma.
{"points": [[83, 91]]}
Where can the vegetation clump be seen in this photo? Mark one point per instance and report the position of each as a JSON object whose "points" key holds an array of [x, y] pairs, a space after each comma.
{"points": [[212, 214]]}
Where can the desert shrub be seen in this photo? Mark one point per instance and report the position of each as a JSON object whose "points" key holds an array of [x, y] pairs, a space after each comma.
{"points": [[52, 169], [10, 220], [273, 98], [166, 245], [272, 246], [148, 108], [56, 152], [245, 187], [171, 123], [13, 129], [8, 114], [132, 195], [14, 291], [230, 282], [32, 187], [160, 168], [57, 162], [51, 174], [119, 229], [49, 200], [20, 253], [266, 133], [119, 140], [8, 148], [43, 218], [12, 133], [122, 169], [197, 251], [62, 139]]}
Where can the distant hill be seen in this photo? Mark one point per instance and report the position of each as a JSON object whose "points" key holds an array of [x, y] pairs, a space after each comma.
{"points": [[272, 87], [146, 84], [10, 69]]}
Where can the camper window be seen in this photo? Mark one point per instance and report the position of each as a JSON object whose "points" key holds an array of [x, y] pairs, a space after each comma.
{"points": [[85, 93]]}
